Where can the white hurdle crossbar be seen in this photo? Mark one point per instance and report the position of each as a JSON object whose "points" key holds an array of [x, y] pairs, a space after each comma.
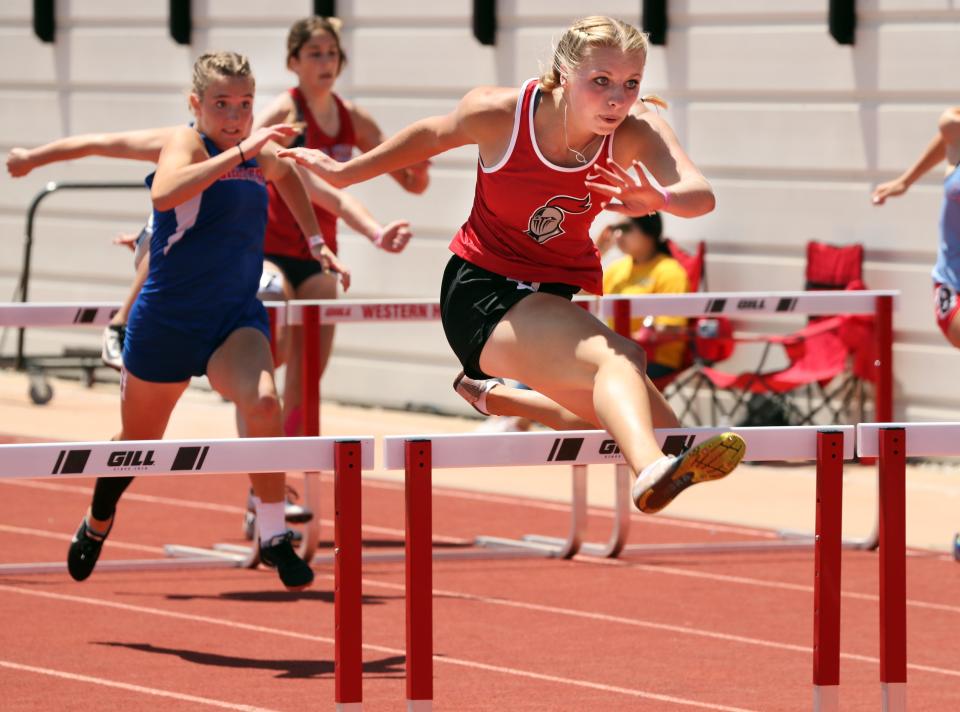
{"points": [[59, 314], [418, 455], [163, 458], [752, 303], [591, 447]]}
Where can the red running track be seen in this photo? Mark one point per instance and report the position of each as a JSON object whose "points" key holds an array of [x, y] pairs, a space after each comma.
{"points": [[677, 632]]}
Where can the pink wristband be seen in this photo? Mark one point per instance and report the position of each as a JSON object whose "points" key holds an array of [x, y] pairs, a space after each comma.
{"points": [[378, 239], [666, 197]]}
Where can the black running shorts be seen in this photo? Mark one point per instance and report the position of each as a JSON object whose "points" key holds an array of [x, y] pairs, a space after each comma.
{"points": [[472, 303], [295, 270]]}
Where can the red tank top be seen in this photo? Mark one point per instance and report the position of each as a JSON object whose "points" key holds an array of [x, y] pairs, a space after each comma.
{"points": [[283, 236], [531, 219]]}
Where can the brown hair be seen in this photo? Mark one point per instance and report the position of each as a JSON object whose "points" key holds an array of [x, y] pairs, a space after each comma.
{"points": [[211, 65], [302, 30], [594, 31]]}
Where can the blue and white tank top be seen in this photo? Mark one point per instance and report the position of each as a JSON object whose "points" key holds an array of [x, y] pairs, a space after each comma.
{"points": [[206, 254], [947, 269]]}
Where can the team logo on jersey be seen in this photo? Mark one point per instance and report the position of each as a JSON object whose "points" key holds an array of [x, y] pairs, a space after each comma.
{"points": [[547, 220]]}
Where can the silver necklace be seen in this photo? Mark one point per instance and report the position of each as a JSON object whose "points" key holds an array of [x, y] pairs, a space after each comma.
{"points": [[576, 154]]}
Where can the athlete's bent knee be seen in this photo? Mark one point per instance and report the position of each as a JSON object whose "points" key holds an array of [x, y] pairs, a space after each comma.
{"points": [[261, 408]]}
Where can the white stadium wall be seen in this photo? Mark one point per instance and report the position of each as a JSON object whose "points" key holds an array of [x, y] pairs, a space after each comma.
{"points": [[792, 129]]}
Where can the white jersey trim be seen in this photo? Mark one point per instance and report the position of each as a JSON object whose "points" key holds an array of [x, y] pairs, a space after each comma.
{"points": [[186, 218], [543, 159], [513, 137]]}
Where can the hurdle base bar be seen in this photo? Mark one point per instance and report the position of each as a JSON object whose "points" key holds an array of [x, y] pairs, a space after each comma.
{"points": [[868, 543], [826, 698], [419, 705], [893, 696], [349, 707], [495, 551], [556, 547], [123, 565], [247, 556]]}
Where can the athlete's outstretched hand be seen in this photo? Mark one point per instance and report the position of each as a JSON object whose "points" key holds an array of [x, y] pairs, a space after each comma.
{"points": [[127, 239], [637, 195], [322, 254], [254, 143], [889, 189], [19, 163], [313, 160], [394, 236]]}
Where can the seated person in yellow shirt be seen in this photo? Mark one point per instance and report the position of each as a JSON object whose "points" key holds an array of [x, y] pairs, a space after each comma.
{"points": [[648, 268]]}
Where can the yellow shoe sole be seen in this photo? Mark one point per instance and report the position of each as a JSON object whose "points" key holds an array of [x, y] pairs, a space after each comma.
{"points": [[712, 459]]}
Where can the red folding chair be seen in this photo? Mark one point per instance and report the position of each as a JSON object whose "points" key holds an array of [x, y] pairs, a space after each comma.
{"points": [[828, 360]]}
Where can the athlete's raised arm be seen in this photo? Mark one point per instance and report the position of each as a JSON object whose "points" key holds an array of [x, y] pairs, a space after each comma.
{"points": [[284, 176], [184, 169], [663, 177], [140, 145], [936, 151], [413, 179], [478, 118]]}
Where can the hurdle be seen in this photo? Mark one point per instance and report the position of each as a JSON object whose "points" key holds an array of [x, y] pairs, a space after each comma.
{"points": [[151, 458], [418, 455], [878, 303], [893, 443], [70, 314]]}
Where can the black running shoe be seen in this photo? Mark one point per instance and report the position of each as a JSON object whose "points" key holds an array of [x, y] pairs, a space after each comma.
{"points": [[295, 573], [85, 550]]}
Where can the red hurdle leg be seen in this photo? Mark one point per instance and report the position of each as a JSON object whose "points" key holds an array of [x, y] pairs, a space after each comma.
{"points": [[826, 583], [348, 589], [893, 569], [621, 317], [310, 371], [419, 556], [884, 391]]}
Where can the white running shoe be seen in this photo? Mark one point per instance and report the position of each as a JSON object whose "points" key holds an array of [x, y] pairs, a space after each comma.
{"points": [[710, 460], [474, 391], [112, 351]]}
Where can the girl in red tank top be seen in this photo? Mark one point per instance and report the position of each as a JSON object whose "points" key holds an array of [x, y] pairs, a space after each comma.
{"points": [[552, 155], [336, 127]]}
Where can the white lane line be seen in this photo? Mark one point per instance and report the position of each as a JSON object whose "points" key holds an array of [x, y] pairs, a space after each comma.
{"points": [[180, 696], [68, 537], [747, 581], [376, 648], [638, 623], [207, 506]]}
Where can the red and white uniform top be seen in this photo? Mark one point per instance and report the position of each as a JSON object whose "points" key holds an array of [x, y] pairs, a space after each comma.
{"points": [[531, 219], [283, 236]]}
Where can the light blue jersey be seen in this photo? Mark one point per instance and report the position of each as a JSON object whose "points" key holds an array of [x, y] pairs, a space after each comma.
{"points": [[206, 258], [947, 269]]}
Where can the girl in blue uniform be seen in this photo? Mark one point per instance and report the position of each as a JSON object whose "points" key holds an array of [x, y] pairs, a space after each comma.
{"points": [[198, 312], [944, 146]]}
